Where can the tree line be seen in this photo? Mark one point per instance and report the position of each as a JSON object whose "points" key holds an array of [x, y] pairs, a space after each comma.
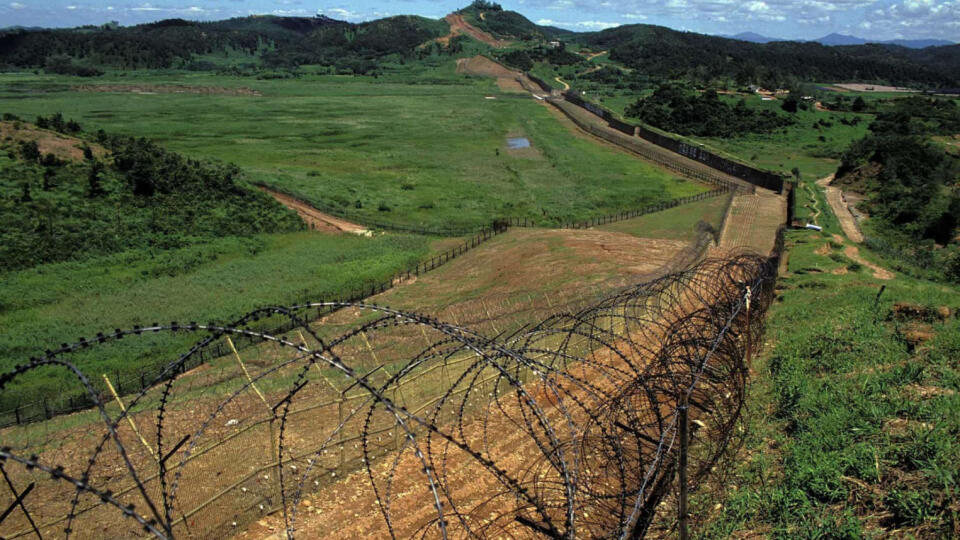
{"points": [[176, 43], [670, 54], [680, 108]]}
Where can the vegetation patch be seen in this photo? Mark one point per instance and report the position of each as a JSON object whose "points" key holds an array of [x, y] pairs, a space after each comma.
{"points": [[854, 417]]}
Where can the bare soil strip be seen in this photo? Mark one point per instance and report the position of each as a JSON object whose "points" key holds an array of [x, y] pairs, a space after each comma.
{"points": [[753, 223], [507, 79], [841, 209], [873, 88], [459, 26], [591, 56], [316, 219], [62, 146]]}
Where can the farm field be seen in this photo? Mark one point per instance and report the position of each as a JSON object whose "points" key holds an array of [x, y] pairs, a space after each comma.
{"points": [[389, 150]]}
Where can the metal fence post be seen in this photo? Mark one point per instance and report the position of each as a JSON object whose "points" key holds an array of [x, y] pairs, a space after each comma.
{"points": [[684, 449]]}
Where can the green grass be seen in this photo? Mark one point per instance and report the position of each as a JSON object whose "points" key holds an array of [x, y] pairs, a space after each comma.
{"points": [[841, 442], [221, 280], [417, 146], [676, 223], [798, 145]]}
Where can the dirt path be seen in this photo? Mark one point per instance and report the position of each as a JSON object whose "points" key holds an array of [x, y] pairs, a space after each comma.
{"points": [[508, 80], [853, 252], [459, 26], [314, 218], [351, 507], [591, 56], [561, 81], [840, 208]]}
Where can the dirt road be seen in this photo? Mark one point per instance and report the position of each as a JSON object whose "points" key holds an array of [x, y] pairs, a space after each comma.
{"points": [[316, 219], [507, 79], [841, 210], [591, 56], [459, 26]]}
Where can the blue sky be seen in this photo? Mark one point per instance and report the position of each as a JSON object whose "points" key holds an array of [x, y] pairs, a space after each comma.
{"points": [[798, 19]]}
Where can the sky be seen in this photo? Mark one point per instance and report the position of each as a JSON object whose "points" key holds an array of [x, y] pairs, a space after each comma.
{"points": [[790, 19]]}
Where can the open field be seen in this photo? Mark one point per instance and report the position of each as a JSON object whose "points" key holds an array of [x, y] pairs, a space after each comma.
{"points": [[220, 280], [386, 149]]}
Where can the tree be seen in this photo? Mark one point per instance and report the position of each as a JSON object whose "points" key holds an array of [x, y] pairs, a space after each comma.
{"points": [[94, 188], [859, 104], [48, 175], [29, 151], [791, 104], [25, 193]]}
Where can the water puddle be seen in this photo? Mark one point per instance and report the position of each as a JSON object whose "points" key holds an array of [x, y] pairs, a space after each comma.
{"points": [[514, 143]]}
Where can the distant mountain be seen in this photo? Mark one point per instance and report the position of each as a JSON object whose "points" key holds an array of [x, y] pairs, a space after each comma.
{"points": [[835, 39], [841, 39], [753, 37]]}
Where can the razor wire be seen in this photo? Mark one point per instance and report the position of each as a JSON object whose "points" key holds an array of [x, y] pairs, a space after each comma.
{"points": [[566, 428]]}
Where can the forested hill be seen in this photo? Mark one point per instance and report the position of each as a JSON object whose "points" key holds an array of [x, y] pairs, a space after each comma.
{"points": [[491, 17], [285, 42], [664, 52], [176, 43]]}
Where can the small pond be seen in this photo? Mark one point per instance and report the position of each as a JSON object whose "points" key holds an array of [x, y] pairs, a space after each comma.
{"points": [[518, 142]]}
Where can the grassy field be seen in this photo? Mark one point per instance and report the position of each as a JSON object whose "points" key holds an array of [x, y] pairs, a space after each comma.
{"points": [[418, 146], [674, 224], [855, 408], [51, 304]]}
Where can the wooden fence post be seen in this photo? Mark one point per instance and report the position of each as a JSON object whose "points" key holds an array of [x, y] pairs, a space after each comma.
{"points": [[343, 463]]}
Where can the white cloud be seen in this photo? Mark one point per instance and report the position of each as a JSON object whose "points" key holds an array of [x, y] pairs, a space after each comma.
{"points": [[17, 5]]}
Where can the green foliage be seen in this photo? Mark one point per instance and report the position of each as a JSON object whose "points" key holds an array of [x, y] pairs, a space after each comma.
{"points": [[149, 197], [64, 65], [518, 59], [911, 183], [279, 41], [680, 109]]}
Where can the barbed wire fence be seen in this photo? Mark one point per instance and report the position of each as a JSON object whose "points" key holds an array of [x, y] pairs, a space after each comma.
{"points": [[571, 427], [126, 383]]}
